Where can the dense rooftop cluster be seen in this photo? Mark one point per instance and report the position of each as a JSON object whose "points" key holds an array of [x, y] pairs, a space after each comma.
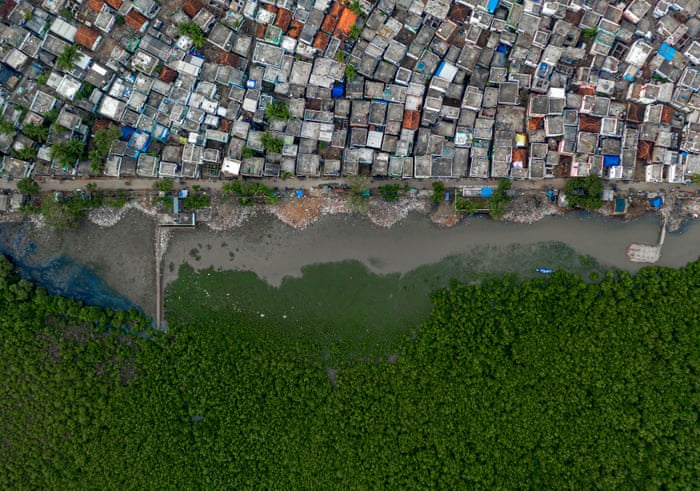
{"points": [[398, 88]]}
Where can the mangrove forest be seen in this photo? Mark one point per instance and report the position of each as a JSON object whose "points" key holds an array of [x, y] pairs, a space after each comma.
{"points": [[549, 383]]}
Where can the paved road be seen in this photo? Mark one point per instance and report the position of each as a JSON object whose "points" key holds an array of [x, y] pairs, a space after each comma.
{"points": [[139, 184]]}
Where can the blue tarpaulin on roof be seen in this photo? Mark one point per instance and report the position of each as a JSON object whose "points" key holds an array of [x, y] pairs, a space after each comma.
{"points": [[656, 202], [492, 6], [126, 132], [338, 91], [611, 160], [667, 52], [486, 192]]}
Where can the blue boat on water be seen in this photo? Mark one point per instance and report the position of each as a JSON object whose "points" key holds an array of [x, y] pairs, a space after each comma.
{"points": [[545, 270]]}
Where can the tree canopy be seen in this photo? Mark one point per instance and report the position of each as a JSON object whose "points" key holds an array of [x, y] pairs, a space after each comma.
{"points": [[585, 192], [67, 152], [277, 111], [69, 57], [194, 32], [548, 383]]}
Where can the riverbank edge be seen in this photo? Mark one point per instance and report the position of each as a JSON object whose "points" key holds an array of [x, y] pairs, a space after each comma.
{"points": [[679, 210]]}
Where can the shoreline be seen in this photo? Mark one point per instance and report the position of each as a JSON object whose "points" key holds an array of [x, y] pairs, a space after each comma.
{"points": [[275, 241]]}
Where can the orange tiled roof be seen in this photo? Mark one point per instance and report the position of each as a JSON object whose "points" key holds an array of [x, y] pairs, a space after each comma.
{"points": [[86, 37], [270, 8], [329, 23], [260, 31], [295, 29], [135, 20], [534, 124], [336, 9], [192, 7], [226, 125], [667, 115], [644, 149], [345, 22], [284, 18], [321, 41], [586, 90], [520, 154], [115, 4], [588, 123], [411, 119], [95, 5]]}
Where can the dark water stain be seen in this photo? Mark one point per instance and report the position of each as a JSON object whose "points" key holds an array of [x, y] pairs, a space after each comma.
{"points": [[59, 274]]}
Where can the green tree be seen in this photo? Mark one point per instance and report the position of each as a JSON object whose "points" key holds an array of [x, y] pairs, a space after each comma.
{"points": [[194, 32], [51, 115], [164, 185], [585, 192], [350, 72], [271, 144], [355, 32], [25, 153], [67, 152], [356, 8], [6, 127], [465, 205], [28, 186], [277, 111], [62, 214], [498, 203], [589, 33], [438, 192], [69, 57], [38, 133], [247, 152], [390, 192]]}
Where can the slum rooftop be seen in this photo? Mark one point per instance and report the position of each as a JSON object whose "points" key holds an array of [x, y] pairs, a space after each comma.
{"points": [[399, 88]]}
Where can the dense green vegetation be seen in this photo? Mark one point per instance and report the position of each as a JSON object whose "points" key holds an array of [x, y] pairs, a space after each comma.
{"points": [[102, 140], [250, 191], [194, 32], [546, 383], [277, 111], [271, 143], [585, 192], [67, 153], [498, 202], [69, 57], [390, 192]]}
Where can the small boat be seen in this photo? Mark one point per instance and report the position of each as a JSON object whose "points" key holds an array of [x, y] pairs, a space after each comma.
{"points": [[545, 270]]}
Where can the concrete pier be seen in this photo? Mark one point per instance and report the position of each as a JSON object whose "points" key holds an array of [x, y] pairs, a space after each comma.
{"points": [[647, 253]]}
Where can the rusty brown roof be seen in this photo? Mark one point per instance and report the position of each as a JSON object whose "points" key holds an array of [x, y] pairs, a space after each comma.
{"points": [[115, 4], [588, 123], [192, 7], [167, 75], [321, 41], [95, 5], [135, 20], [411, 119], [645, 149], [284, 18], [86, 37]]}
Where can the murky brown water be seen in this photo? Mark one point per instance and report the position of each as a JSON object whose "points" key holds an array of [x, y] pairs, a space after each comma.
{"points": [[274, 251]]}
